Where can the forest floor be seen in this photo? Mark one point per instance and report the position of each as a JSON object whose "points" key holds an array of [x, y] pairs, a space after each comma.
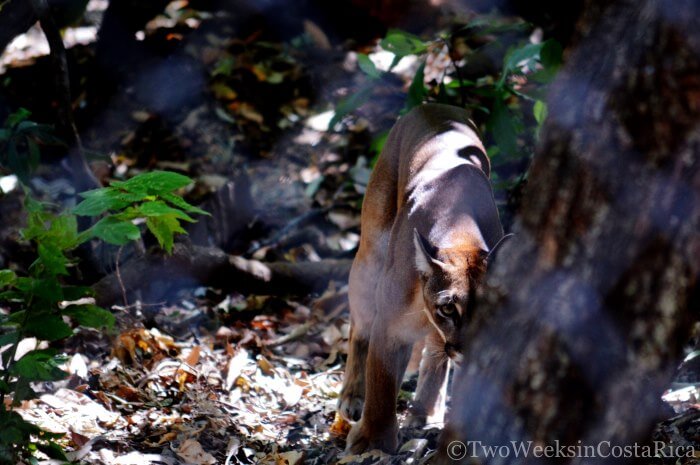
{"points": [[205, 377], [260, 389]]}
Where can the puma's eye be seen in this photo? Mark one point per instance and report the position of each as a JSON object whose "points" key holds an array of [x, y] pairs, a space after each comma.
{"points": [[447, 310]]}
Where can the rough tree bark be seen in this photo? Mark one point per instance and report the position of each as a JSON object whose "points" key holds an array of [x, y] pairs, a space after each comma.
{"points": [[586, 311]]}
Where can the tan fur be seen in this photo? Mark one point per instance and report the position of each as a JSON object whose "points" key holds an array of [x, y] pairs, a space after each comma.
{"points": [[428, 218]]}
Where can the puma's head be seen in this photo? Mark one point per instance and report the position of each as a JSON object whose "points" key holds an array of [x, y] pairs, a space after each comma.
{"points": [[448, 277]]}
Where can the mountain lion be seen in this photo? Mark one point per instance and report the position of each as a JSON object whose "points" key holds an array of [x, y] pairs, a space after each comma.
{"points": [[428, 222]]}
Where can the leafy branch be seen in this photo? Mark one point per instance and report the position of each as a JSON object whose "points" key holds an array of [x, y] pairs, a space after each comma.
{"points": [[149, 197], [41, 307]]}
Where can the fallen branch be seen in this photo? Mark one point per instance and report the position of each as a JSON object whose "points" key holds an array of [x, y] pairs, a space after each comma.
{"points": [[159, 277]]}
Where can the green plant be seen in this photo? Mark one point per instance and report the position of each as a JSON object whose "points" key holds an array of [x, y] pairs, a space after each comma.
{"points": [[41, 305], [19, 143], [401, 44], [502, 101], [149, 197], [538, 64]]}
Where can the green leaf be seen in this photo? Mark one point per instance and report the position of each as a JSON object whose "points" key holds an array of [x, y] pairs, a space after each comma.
{"points": [[22, 390], [457, 83], [367, 65], [7, 278], [551, 59], [9, 338], [46, 289], [539, 111], [16, 318], [502, 126], [98, 201], [551, 54], [52, 259], [350, 104], [39, 365], [154, 183], [77, 292], [115, 231], [417, 91], [91, 316], [63, 230], [14, 429], [47, 327], [34, 155], [17, 164], [164, 228], [17, 117], [11, 296], [515, 58], [32, 205], [224, 66], [52, 450], [180, 203], [402, 43], [37, 218], [159, 208], [27, 127]]}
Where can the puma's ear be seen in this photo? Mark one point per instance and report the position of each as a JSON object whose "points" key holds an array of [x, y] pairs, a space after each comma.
{"points": [[425, 253], [487, 255]]}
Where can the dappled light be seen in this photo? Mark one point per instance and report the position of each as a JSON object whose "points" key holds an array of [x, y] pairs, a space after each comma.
{"points": [[355, 232]]}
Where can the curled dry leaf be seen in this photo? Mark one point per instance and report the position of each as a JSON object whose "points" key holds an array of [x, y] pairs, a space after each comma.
{"points": [[192, 452], [290, 458], [235, 367], [141, 346], [340, 428]]}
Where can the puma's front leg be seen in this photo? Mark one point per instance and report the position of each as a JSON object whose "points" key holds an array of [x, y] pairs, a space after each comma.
{"points": [[386, 362], [428, 406], [352, 395]]}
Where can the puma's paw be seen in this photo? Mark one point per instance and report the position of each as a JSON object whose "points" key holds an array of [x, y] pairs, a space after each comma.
{"points": [[350, 405], [360, 440]]}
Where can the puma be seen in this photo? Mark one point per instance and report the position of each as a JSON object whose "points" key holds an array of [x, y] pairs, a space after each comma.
{"points": [[428, 222]]}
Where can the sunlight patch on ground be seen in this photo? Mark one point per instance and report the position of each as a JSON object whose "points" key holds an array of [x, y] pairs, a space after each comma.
{"points": [[8, 183], [382, 59], [32, 44], [320, 122]]}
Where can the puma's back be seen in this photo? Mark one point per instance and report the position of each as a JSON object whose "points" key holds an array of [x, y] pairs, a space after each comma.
{"points": [[421, 148]]}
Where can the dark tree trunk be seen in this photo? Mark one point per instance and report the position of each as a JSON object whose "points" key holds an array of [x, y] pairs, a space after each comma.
{"points": [[587, 309]]}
